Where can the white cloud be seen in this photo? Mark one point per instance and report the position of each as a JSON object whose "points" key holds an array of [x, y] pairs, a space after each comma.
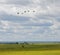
{"points": [[43, 24]]}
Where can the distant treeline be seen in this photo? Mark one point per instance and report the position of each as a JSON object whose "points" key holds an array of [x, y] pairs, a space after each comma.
{"points": [[13, 42], [36, 42]]}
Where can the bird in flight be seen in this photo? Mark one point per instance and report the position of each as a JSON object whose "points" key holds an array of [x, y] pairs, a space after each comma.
{"points": [[17, 12], [25, 12]]}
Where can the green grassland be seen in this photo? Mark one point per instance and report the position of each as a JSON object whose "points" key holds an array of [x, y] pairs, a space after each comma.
{"points": [[30, 49], [54, 52]]}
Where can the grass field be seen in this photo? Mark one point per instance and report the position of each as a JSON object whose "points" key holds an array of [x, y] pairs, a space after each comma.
{"points": [[54, 52], [35, 49]]}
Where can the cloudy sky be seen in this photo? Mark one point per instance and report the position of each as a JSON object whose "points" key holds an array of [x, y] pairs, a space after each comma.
{"points": [[29, 20]]}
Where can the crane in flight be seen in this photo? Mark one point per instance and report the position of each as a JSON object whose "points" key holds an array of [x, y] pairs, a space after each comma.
{"points": [[17, 12], [26, 11]]}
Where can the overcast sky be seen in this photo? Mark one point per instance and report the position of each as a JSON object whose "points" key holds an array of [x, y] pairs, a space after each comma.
{"points": [[40, 22]]}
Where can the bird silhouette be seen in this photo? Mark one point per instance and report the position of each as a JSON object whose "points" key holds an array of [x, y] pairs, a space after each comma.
{"points": [[17, 12], [28, 11], [24, 11], [33, 11]]}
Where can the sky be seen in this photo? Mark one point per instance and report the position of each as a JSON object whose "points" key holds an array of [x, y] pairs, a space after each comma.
{"points": [[29, 20]]}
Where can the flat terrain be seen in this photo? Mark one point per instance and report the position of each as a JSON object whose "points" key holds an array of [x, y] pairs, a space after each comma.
{"points": [[54, 52], [30, 49]]}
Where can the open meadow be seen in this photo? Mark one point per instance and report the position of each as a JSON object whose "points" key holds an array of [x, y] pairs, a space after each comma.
{"points": [[54, 52], [29, 49]]}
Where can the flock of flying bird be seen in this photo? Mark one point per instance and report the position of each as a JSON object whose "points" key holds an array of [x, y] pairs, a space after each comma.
{"points": [[25, 12]]}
